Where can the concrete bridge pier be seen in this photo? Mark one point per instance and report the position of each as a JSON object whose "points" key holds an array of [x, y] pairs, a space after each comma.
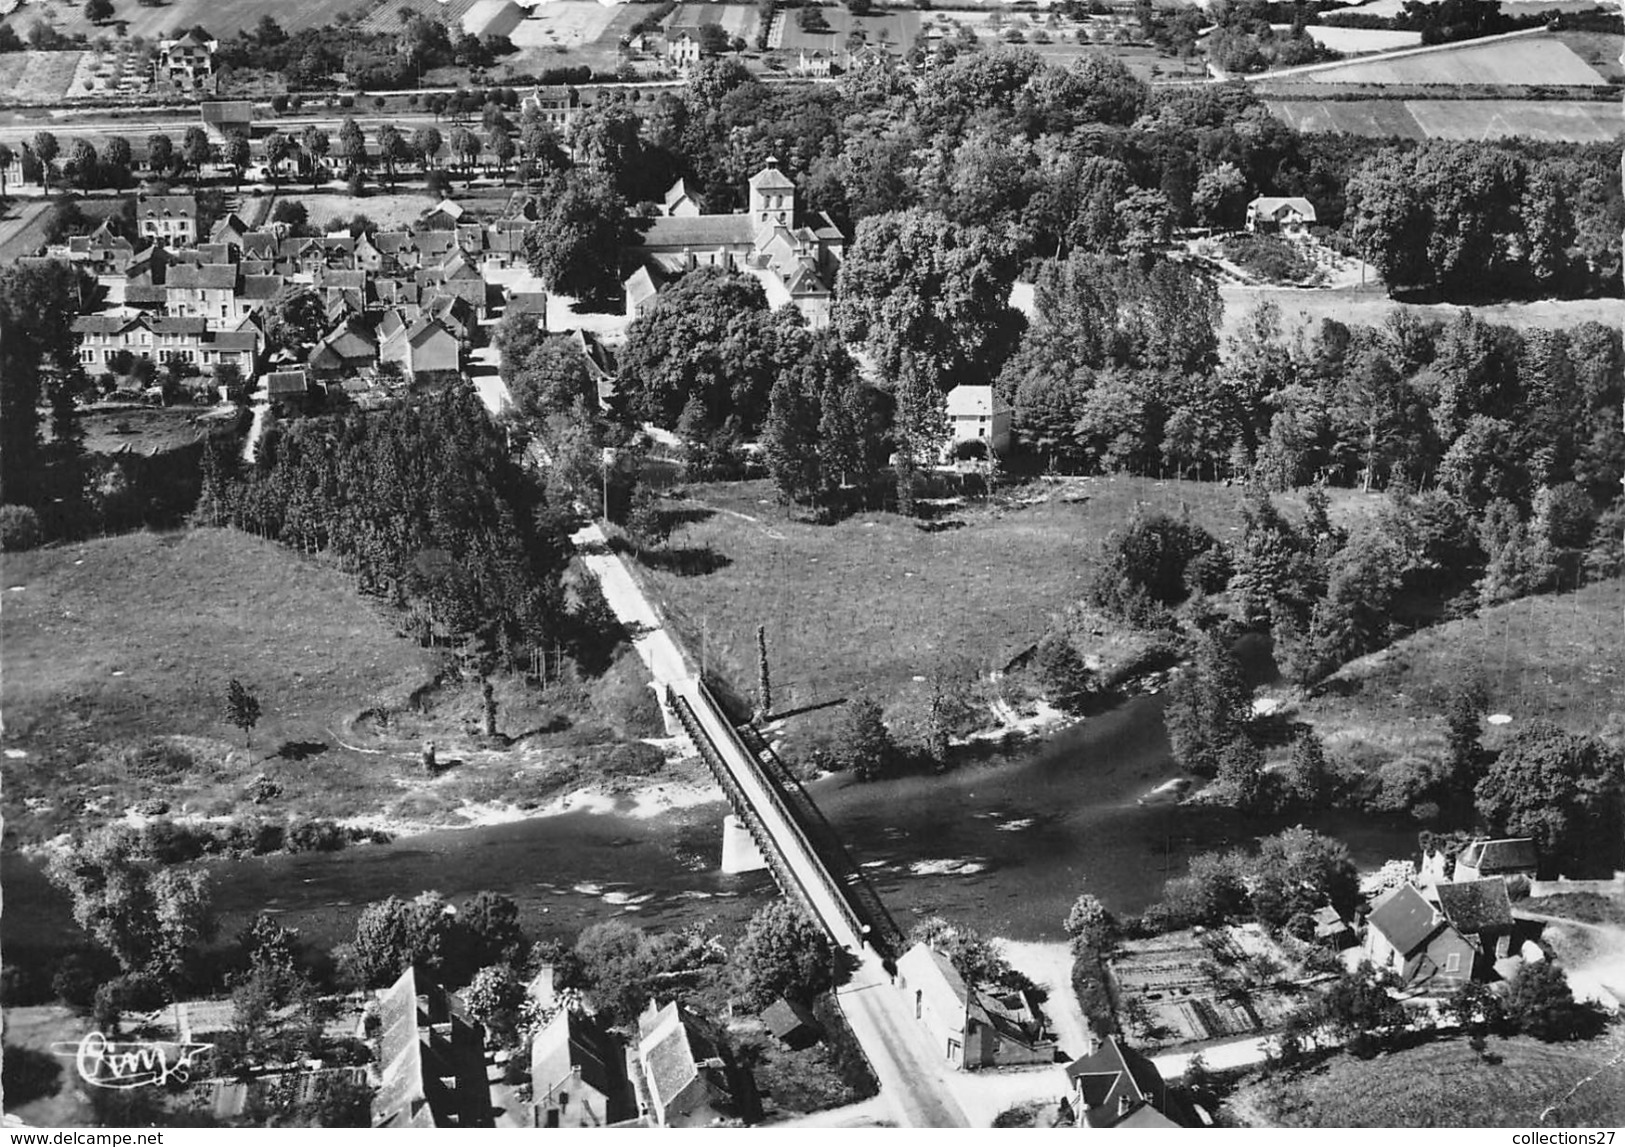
{"points": [[739, 851]]}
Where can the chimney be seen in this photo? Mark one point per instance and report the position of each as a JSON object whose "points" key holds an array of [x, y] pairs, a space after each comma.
{"points": [[1122, 1105]]}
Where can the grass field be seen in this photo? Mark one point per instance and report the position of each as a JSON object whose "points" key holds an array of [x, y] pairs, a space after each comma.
{"points": [[1445, 1084], [129, 642], [1371, 305], [1525, 60], [37, 77], [568, 22], [878, 603], [1576, 121], [148, 430], [1559, 658], [388, 211], [220, 17], [22, 228], [1598, 49]]}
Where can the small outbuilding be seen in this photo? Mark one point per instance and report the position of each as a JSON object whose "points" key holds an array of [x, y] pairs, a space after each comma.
{"points": [[791, 1024]]}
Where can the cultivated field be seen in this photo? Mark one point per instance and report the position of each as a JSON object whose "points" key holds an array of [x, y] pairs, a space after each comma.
{"points": [[220, 17], [1524, 60], [1446, 1084], [571, 23], [384, 15], [895, 28], [736, 19], [1368, 307], [1576, 121], [390, 212], [37, 77], [1353, 41], [1558, 657]]}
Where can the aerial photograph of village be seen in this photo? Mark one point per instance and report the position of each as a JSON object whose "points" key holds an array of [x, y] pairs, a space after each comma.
{"points": [[812, 564]]}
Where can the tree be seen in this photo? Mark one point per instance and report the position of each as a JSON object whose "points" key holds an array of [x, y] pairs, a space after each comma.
{"points": [[1208, 707], [489, 923], [783, 953], [295, 317], [116, 161], [98, 11], [575, 248], [83, 165], [1564, 790], [1090, 923], [392, 149], [1308, 778], [864, 744], [46, 149], [238, 154], [1221, 196], [242, 708], [160, 153], [149, 917], [1298, 870], [196, 150], [278, 147], [548, 377], [426, 143], [38, 302], [314, 142], [352, 147], [495, 998], [394, 934], [1064, 677], [1542, 1004]]}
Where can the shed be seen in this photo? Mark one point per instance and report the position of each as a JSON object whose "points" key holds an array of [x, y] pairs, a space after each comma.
{"points": [[791, 1024]]}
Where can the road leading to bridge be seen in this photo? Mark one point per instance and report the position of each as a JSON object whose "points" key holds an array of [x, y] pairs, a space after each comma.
{"points": [[914, 1078]]}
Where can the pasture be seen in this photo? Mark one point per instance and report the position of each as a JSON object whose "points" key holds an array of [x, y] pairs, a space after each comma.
{"points": [[1537, 58], [220, 17], [1446, 1084], [1574, 121]]}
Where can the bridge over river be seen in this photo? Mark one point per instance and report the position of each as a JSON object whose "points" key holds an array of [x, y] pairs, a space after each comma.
{"points": [[806, 858]]}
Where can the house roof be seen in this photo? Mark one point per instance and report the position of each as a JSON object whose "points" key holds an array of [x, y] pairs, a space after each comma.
{"points": [[1273, 206], [527, 303], [258, 287], [1474, 906], [234, 340], [178, 325], [785, 1017], [206, 276], [228, 111], [1500, 855], [1404, 918], [286, 382], [1113, 1081], [701, 232], [426, 328], [144, 295], [168, 205], [572, 1042], [928, 971]]}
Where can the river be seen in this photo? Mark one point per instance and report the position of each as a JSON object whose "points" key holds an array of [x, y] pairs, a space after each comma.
{"points": [[1004, 843]]}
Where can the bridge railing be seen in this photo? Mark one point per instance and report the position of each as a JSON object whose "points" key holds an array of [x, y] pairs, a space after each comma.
{"points": [[783, 873], [837, 893], [884, 933]]}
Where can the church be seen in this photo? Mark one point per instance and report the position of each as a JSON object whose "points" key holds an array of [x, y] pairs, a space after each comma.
{"points": [[795, 258]]}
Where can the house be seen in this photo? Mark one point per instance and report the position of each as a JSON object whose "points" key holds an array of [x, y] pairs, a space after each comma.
{"points": [[222, 118], [1481, 911], [791, 1024], [683, 50], [977, 414], [971, 1028], [187, 61], [426, 350], [207, 291], [1116, 1086], [164, 339], [1485, 858], [813, 63], [1286, 215], [431, 1059], [347, 349], [768, 240], [531, 304], [443, 216], [287, 386], [556, 104], [102, 252], [686, 1077], [578, 1074], [170, 219], [1431, 869], [1407, 936]]}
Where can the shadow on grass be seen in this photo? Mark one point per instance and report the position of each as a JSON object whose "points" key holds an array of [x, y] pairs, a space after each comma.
{"points": [[300, 750], [28, 1075], [941, 527], [684, 561]]}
